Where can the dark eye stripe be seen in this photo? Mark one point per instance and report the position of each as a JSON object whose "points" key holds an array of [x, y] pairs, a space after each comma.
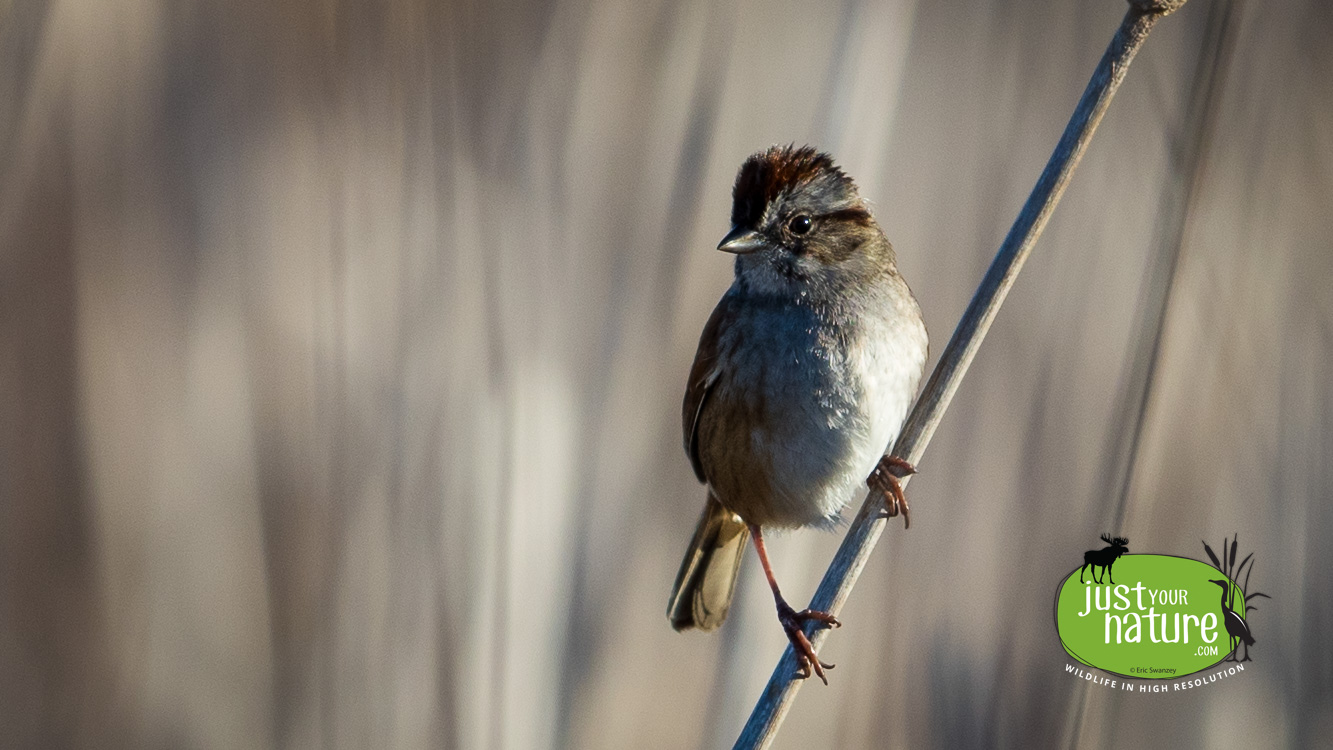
{"points": [[855, 215]]}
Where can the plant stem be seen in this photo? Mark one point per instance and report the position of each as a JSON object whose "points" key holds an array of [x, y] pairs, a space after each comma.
{"points": [[778, 695]]}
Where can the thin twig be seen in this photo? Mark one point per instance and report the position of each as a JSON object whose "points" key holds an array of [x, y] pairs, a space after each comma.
{"points": [[778, 695]]}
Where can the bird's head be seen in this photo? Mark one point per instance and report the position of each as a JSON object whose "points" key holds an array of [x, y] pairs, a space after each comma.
{"points": [[799, 226], [1224, 584]]}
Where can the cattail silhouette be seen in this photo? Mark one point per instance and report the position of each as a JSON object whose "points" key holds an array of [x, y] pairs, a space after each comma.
{"points": [[1237, 627]]}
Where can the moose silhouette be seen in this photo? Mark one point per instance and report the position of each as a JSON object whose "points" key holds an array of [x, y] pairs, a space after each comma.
{"points": [[1104, 558]]}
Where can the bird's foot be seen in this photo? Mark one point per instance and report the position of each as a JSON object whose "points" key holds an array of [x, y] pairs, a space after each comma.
{"points": [[793, 623], [884, 479]]}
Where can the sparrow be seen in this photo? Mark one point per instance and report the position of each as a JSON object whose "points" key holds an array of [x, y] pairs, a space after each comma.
{"points": [[804, 374]]}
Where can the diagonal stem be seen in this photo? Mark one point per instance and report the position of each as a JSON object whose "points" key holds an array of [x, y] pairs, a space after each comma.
{"points": [[778, 695]]}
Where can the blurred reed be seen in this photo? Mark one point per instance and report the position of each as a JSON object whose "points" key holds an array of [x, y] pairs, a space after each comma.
{"points": [[341, 348], [765, 721]]}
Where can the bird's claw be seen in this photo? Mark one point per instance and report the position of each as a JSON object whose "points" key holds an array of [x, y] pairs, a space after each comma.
{"points": [[884, 479], [793, 623]]}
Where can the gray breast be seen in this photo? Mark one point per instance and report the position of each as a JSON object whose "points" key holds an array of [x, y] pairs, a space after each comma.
{"points": [[820, 400]]}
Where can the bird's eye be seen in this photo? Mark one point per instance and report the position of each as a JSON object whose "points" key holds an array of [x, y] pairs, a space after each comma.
{"points": [[799, 224]]}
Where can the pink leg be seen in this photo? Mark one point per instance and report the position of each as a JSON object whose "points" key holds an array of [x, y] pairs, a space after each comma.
{"points": [[885, 479], [793, 622]]}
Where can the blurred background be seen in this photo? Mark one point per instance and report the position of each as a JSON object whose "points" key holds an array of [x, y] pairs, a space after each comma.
{"points": [[342, 346]]}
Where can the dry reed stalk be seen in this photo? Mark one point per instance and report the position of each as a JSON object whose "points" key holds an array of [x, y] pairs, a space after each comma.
{"points": [[766, 718]]}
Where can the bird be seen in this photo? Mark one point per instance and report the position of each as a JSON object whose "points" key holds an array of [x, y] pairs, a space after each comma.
{"points": [[1235, 624], [804, 374]]}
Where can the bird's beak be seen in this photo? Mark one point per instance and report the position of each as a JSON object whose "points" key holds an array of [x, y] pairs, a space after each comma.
{"points": [[741, 241]]}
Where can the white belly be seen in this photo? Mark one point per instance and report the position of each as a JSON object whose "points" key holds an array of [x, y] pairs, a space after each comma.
{"points": [[832, 400], [823, 469]]}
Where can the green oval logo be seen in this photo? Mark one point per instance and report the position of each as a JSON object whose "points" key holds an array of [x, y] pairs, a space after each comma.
{"points": [[1163, 616]]}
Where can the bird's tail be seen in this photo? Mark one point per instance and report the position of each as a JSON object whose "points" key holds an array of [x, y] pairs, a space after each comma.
{"points": [[707, 578]]}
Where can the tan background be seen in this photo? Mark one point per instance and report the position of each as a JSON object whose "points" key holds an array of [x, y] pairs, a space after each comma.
{"points": [[341, 348]]}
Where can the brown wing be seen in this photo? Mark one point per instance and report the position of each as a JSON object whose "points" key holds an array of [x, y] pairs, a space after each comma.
{"points": [[703, 374]]}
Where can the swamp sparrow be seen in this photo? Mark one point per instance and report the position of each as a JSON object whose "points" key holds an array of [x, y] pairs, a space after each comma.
{"points": [[804, 374]]}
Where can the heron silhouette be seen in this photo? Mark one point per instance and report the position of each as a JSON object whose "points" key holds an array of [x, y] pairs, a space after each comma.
{"points": [[1238, 631]]}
